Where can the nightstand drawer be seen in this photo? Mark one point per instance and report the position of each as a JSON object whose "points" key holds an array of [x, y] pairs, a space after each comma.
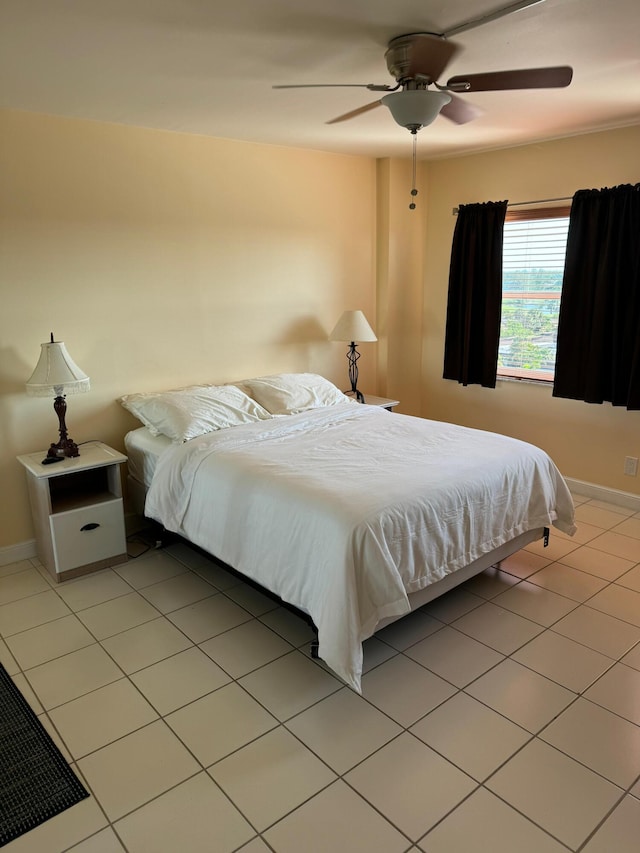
{"points": [[88, 534]]}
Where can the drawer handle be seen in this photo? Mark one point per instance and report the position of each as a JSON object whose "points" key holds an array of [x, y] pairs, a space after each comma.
{"points": [[91, 526]]}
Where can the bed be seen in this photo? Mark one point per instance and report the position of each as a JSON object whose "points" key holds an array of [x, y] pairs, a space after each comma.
{"points": [[352, 514]]}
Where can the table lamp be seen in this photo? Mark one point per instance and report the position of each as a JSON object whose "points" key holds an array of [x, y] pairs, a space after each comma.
{"points": [[57, 374], [353, 327]]}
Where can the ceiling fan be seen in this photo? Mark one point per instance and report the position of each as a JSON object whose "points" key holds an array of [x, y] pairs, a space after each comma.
{"points": [[416, 61]]}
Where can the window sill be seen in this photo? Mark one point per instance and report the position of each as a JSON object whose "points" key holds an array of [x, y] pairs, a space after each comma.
{"points": [[547, 383]]}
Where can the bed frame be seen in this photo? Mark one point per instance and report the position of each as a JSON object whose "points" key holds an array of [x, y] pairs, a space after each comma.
{"points": [[451, 581], [493, 558]]}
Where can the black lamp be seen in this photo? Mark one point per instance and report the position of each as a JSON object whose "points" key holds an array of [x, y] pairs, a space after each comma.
{"points": [[353, 327]]}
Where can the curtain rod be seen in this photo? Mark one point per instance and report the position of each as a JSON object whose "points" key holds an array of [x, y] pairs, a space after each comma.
{"points": [[535, 201]]}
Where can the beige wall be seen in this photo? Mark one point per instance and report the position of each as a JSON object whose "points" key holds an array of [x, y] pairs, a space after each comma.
{"points": [[163, 259], [400, 284], [587, 442]]}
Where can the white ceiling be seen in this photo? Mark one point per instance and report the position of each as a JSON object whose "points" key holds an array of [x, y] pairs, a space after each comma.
{"points": [[207, 67]]}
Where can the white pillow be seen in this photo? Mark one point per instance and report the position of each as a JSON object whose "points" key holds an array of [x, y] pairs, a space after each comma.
{"points": [[288, 393], [189, 412]]}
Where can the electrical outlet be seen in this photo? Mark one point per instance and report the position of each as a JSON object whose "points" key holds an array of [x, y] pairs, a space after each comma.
{"points": [[631, 466]]}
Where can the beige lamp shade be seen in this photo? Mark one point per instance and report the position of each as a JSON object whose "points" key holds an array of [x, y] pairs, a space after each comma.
{"points": [[353, 326], [56, 373]]}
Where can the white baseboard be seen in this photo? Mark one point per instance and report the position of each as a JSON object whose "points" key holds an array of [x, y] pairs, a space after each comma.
{"points": [[15, 553], [602, 493]]}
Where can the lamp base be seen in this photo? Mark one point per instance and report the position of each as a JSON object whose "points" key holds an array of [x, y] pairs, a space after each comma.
{"points": [[352, 357], [64, 448]]}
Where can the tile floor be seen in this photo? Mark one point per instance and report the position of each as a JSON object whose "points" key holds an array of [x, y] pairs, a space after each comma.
{"points": [[502, 717]]}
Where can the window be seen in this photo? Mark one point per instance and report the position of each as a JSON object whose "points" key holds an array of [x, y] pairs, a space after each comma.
{"points": [[533, 254]]}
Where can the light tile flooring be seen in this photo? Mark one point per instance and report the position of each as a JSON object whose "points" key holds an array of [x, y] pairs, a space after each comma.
{"points": [[501, 718]]}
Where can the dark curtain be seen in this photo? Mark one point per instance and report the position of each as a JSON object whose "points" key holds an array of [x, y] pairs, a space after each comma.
{"points": [[475, 295], [598, 354]]}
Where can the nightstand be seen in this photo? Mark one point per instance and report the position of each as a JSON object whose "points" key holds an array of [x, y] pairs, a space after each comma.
{"points": [[383, 402], [77, 510]]}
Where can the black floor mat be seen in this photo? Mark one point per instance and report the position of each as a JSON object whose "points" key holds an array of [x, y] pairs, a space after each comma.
{"points": [[36, 783]]}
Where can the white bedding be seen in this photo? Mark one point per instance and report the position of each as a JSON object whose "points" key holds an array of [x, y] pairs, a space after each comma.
{"points": [[343, 511]]}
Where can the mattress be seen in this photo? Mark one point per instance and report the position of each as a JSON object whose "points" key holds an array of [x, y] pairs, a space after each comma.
{"points": [[143, 451]]}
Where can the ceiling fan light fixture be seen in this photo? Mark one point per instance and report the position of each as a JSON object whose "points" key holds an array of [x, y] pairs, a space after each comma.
{"points": [[415, 108]]}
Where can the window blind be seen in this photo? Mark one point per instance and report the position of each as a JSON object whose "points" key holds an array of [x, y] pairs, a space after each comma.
{"points": [[532, 268]]}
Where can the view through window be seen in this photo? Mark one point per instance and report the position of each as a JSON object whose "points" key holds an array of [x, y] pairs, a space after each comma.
{"points": [[533, 255]]}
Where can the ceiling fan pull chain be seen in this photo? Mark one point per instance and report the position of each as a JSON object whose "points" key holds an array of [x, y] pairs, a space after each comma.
{"points": [[414, 191]]}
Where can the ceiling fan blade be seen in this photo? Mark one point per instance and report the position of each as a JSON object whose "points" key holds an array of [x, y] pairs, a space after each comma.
{"points": [[525, 78], [459, 111], [359, 111], [419, 55], [490, 16], [329, 86], [429, 56]]}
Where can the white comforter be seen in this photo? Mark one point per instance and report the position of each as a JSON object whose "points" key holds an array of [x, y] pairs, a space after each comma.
{"points": [[342, 511]]}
